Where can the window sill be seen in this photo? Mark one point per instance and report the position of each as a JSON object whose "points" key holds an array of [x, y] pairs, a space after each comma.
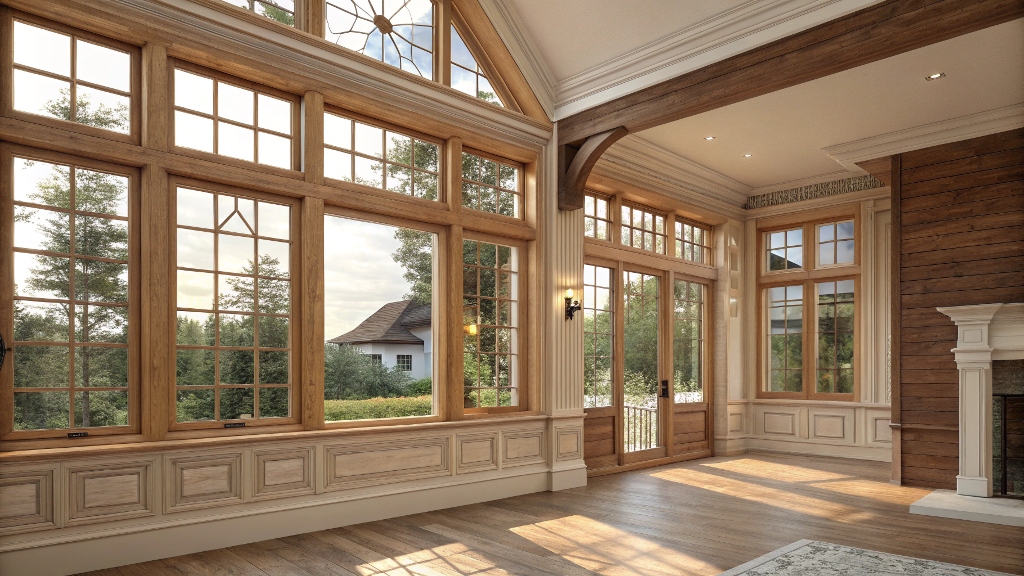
{"points": [[10, 453]]}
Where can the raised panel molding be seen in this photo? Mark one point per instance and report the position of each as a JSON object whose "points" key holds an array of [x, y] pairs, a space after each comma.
{"points": [[385, 462], [519, 448], [27, 501], [880, 430], [828, 426], [736, 422], [106, 491], [207, 481], [282, 472], [569, 442], [780, 423], [476, 452]]}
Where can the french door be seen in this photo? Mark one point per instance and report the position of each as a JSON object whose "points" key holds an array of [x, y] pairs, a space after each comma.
{"points": [[645, 378]]}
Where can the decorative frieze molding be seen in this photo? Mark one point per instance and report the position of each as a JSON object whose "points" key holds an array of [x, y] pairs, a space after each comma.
{"points": [[814, 191]]}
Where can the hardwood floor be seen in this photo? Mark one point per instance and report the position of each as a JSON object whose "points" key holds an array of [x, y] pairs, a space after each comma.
{"points": [[697, 517]]}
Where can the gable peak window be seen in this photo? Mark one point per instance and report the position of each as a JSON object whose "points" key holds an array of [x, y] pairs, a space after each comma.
{"points": [[396, 32]]}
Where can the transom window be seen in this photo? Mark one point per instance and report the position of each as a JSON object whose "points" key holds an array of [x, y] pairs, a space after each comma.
{"points": [[643, 229], [71, 77], [785, 249], [233, 262], [233, 119], [693, 243], [491, 186], [72, 290], [490, 300], [396, 32], [282, 11], [597, 217], [372, 156], [467, 75], [598, 329], [835, 243]]}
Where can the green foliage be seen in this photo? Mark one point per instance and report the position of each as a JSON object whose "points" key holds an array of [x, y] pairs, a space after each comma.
{"points": [[275, 13], [640, 361], [416, 255], [339, 410], [98, 115], [421, 387], [351, 375]]}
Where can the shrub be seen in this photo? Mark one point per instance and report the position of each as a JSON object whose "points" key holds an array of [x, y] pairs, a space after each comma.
{"points": [[421, 387], [336, 410]]}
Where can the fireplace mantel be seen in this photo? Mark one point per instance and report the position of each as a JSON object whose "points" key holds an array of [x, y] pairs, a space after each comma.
{"points": [[985, 332]]}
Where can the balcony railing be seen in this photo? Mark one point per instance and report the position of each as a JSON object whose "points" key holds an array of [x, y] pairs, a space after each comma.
{"points": [[641, 428]]}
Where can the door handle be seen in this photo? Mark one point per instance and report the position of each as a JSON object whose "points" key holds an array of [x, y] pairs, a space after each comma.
{"points": [[3, 350], [664, 388]]}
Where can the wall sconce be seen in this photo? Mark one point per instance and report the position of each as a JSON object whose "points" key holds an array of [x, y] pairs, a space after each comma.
{"points": [[571, 306]]}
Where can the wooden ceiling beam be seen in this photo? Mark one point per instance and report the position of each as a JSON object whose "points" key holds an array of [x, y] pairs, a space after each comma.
{"points": [[880, 168], [866, 36]]}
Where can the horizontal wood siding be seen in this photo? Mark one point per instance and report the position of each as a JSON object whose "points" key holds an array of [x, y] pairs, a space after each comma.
{"points": [[960, 242]]}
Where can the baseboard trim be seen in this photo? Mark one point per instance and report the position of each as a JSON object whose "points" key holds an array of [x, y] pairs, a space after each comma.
{"points": [[133, 547], [878, 454]]}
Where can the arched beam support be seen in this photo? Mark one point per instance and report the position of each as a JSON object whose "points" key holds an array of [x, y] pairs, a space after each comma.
{"points": [[575, 164]]}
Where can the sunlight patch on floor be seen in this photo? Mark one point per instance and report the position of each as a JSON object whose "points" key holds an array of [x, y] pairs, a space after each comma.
{"points": [[776, 498], [605, 549], [774, 470]]}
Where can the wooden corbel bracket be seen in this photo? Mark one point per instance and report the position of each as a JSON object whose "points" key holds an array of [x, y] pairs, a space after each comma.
{"points": [[575, 164]]}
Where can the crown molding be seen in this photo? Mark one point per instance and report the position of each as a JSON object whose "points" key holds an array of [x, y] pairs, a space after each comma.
{"points": [[743, 28], [809, 181], [510, 29], [927, 135], [352, 72]]}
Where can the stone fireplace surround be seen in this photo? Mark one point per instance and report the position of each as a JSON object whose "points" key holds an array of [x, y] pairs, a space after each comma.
{"points": [[985, 333]]}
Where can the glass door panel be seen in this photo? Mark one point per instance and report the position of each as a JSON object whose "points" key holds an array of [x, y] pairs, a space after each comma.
{"points": [[640, 361], [598, 329]]}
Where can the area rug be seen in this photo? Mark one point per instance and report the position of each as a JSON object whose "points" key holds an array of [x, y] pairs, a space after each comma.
{"points": [[812, 558]]}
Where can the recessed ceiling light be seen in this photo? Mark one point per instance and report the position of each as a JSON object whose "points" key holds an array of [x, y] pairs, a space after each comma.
{"points": [[709, 138], [747, 155], [935, 76]]}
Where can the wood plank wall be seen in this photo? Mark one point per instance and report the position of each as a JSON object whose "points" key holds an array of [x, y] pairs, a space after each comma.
{"points": [[958, 240]]}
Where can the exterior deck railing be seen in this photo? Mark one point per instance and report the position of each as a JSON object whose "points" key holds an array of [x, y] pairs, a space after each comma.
{"points": [[641, 428]]}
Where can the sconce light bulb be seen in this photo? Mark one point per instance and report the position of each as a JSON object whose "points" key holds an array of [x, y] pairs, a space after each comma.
{"points": [[471, 329], [569, 293]]}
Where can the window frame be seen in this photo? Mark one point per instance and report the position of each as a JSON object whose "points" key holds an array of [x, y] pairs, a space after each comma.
{"points": [[706, 249], [521, 193], [296, 304], [8, 152], [296, 119], [808, 276], [522, 326], [655, 214], [7, 18], [609, 221]]}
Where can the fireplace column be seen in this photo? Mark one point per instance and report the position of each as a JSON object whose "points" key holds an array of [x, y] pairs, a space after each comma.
{"points": [[974, 362]]}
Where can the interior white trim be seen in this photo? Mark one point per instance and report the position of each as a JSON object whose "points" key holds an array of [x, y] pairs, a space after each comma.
{"points": [[751, 25], [510, 29], [927, 135]]}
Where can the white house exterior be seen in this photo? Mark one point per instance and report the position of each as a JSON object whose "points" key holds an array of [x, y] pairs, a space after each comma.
{"points": [[398, 333]]}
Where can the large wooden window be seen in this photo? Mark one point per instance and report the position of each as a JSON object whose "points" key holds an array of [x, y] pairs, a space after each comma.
{"points": [[492, 186], [467, 75], [69, 75], [643, 229], [598, 336], [383, 158], [597, 217], [399, 33], [73, 289], [234, 118], [693, 242], [808, 291], [379, 320], [490, 299], [234, 258]]}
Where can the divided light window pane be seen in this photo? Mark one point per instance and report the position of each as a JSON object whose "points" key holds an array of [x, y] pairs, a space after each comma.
{"points": [[491, 186], [644, 230], [785, 249], [598, 328], [467, 76], [693, 243], [71, 286], [835, 336], [640, 360], [222, 118], [835, 243], [597, 217], [381, 158], [282, 11], [396, 32], [378, 318], [490, 301], [688, 342], [67, 77], [234, 307], [785, 332]]}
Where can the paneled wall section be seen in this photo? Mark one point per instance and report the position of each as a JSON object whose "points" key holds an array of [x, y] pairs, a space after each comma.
{"points": [[958, 239]]}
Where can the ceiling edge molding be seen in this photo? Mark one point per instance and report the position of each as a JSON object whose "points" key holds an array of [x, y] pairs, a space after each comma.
{"points": [[416, 95], [751, 25], [809, 181], [653, 183], [510, 29], [814, 191], [671, 167], [927, 135], [880, 194]]}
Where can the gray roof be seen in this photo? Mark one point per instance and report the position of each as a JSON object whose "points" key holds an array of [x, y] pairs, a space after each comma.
{"points": [[389, 325]]}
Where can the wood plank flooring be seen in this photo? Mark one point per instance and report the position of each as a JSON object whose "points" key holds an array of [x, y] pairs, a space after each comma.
{"points": [[697, 517]]}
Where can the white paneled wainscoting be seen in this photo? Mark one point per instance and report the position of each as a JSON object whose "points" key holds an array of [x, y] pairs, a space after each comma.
{"points": [[68, 515]]}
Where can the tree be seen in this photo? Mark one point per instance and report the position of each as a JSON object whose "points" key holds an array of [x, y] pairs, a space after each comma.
{"points": [[100, 115], [274, 12]]}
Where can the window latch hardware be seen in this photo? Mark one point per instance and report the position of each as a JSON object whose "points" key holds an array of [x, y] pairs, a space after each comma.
{"points": [[77, 434], [234, 425]]}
